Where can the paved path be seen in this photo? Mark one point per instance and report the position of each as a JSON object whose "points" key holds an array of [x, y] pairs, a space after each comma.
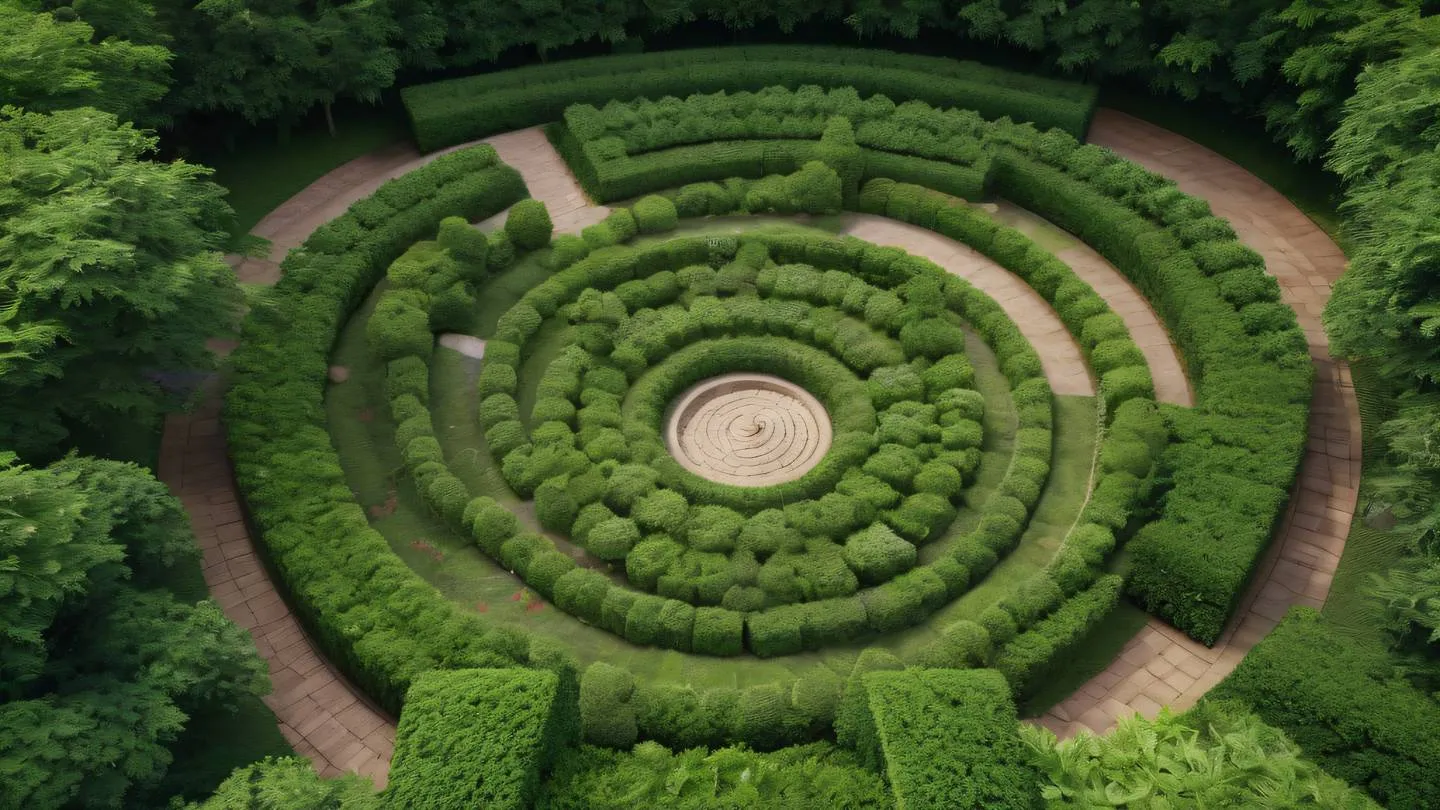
{"points": [[319, 712], [1060, 355], [1160, 665]]}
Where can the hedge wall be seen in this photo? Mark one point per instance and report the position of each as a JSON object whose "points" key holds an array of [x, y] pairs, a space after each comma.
{"points": [[373, 616], [480, 738], [459, 110], [946, 739], [1346, 705]]}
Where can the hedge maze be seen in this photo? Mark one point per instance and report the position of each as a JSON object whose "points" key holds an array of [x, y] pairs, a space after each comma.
{"points": [[889, 533]]}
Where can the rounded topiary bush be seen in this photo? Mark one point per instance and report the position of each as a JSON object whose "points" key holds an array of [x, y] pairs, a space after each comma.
{"points": [[528, 225], [877, 554], [655, 214]]}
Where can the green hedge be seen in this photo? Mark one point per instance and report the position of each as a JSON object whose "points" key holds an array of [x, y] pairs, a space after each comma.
{"points": [[374, 618], [480, 738], [946, 739], [626, 148], [1344, 703], [1235, 454], [458, 110]]}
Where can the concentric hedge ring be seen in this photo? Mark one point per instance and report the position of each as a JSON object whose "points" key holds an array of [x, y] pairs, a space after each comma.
{"points": [[829, 555], [748, 430]]}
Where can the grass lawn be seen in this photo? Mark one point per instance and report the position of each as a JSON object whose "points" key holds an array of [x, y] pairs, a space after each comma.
{"points": [[1244, 141], [262, 172], [363, 433]]}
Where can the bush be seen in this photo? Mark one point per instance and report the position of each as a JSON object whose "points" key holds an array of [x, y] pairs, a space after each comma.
{"points": [[479, 738], [876, 554], [1029, 658], [613, 538], [398, 328], [607, 716], [655, 214], [947, 739], [528, 225], [490, 524], [815, 189], [718, 631], [1341, 701], [962, 645], [467, 245], [776, 631]]}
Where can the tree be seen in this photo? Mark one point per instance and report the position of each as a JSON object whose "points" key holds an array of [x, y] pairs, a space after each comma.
{"points": [[47, 64], [110, 274], [353, 58], [100, 665]]}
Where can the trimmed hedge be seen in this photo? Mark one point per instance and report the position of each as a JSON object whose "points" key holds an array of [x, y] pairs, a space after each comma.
{"points": [[1236, 453], [377, 620], [947, 739], [458, 110], [1343, 702], [480, 738]]}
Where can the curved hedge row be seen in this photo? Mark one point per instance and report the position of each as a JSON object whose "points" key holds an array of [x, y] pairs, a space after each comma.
{"points": [[769, 632], [459, 110], [1235, 455], [627, 148], [373, 616]]}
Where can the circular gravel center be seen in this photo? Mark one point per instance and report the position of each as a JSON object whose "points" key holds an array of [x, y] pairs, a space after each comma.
{"points": [[749, 430]]}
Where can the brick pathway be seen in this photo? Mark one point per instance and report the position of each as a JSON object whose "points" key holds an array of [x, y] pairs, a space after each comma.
{"points": [[322, 716], [1160, 666]]}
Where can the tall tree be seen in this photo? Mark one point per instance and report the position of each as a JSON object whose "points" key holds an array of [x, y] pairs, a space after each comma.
{"points": [[100, 665], [47, 64], [110, 271]]}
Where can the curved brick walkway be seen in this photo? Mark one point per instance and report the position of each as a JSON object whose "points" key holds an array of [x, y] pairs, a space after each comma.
{"points": [[1161, 666]]}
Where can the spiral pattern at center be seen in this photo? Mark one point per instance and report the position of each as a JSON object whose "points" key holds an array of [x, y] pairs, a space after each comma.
{"points": [[748, 430]]}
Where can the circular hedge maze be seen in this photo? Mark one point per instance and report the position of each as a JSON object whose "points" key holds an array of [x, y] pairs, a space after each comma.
{"points": [[694, 443]]}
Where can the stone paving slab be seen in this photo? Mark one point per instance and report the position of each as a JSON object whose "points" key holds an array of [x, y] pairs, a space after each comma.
{"points": [[1161, 666]]}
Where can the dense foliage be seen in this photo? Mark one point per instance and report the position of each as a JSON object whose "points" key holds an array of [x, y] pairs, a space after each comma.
{"points": [[1345, 704], [110, 277], [816, 775], [1215, 756], [946, 739], [100, 664], [479, 738], [290, 784]]}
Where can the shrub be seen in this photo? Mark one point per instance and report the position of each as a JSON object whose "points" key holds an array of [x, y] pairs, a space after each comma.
{"points": [[467, 245], [876, 554], [815, 189], [718, 631], [655, 214], [962, 645], [1340, 700], [663, 510], [607, 716], [613, 538], [677, 625], [490, 524], [501, 251], [776, 631], [1028, 659], [479, 738], [398, 328], [528, 225], [948, 739]]}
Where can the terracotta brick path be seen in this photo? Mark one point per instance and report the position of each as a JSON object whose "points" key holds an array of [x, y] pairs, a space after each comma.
{"points": [[1161, 666]]}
